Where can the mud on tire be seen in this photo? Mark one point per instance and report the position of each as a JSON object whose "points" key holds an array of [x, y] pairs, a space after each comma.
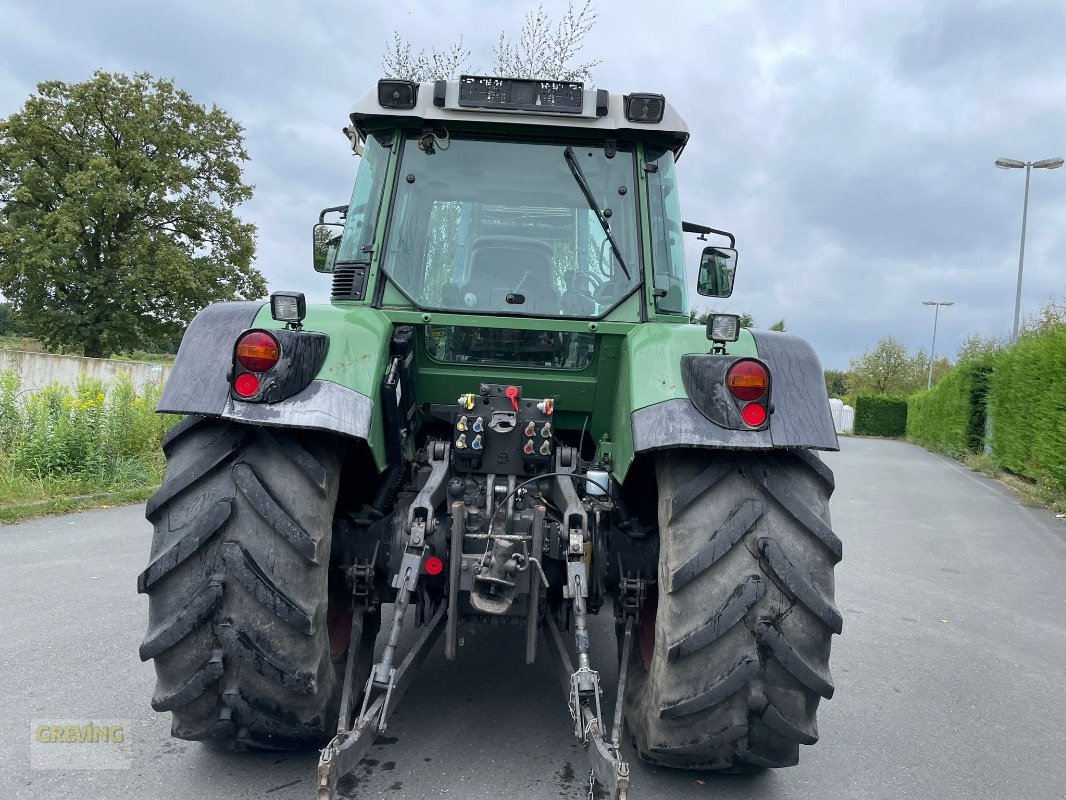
{"points": [[238, 585], [732, 672]]}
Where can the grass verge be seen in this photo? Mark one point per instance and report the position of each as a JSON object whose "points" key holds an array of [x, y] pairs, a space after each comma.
{"points": [[1035, 493], [65, 504], [1041, 494], [69, 448]]}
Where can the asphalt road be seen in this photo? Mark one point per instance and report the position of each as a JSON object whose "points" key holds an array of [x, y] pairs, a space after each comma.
{"points": [[949, 675]]}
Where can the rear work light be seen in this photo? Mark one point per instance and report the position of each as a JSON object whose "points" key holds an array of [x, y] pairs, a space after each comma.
{"points": [[288, 307], [723, 327], [748, 380], [257, 351]]}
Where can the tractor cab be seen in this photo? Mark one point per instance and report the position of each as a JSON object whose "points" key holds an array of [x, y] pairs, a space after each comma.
{"points": [[506, 197]]}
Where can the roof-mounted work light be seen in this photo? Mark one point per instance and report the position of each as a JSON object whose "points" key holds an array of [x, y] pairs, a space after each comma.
{"points": [[645, 107], [397, 94]]}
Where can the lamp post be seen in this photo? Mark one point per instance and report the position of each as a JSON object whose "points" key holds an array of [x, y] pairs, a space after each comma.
{"points": [[1013, 163], [932, 349]]}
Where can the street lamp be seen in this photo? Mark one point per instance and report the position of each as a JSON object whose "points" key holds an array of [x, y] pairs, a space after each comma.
{"points": [[1013, 163], [932, 349]]}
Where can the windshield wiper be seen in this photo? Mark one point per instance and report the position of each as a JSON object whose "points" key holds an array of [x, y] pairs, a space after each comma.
{"points": [[590, 198]]}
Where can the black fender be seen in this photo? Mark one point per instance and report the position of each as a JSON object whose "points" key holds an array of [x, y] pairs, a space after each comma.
{"points": [[199, 382], [800, 415]]}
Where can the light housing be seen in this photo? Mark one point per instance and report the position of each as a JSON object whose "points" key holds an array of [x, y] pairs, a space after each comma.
{"points": [[645, 107], [289, 307], [257, 351], [1048, 163], [723, 327], [521, 94], [393, 93], [1009, 163], [748, 380]]}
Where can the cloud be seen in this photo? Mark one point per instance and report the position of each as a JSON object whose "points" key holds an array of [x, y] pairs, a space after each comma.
{"points": [[849, 146]]}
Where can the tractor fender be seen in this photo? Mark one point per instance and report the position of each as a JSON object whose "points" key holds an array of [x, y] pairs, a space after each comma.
{"points": [[800, 418], [338, 399]]}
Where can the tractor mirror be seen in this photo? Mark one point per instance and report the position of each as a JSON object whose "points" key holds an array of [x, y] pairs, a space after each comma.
{"points": [[327, 240], [718, 266]]}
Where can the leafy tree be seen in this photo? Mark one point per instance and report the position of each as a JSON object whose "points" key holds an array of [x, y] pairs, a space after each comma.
{"points": [[544, 49], [400, 61], [1050, 317], [117, 220], [837, 383], [548, 51], [10, 322], [976, 345], [941, 367], [888, 369], [778, 326]]}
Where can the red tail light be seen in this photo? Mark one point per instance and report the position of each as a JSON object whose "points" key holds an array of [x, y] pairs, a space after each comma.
{"points": [[257, 351], [433, 566], [748, 380], [247, 384], [754, 414]]}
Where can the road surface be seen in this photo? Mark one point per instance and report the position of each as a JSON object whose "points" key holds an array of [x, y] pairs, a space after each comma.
{"points": [[949, 675]]}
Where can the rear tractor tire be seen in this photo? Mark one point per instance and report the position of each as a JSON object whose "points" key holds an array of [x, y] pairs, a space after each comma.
{"points": [[248, 619], [733, 654]]}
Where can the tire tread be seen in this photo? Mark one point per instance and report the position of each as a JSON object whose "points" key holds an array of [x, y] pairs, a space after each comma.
{"points": [[751, 540]]}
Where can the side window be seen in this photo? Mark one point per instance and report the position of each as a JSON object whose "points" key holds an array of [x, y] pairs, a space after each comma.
{"points": [[667, 244], [366, 201]]}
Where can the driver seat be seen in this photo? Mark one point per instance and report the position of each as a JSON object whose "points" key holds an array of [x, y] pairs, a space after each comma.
{"points": [[502, 265]]}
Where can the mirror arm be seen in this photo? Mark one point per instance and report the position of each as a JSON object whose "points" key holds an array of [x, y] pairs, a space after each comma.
{"points": [[692, 227], [330, 210]]}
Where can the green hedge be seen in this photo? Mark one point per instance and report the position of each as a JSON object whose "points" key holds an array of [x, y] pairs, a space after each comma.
{"points": [[880, 415], [1027, 395], [951, 416]]}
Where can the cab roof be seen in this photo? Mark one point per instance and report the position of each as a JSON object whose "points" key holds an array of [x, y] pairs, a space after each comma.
{"points": [[467, 101]]}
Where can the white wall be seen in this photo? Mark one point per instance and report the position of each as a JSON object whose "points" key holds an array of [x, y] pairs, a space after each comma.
{"points": [[37, 370]]}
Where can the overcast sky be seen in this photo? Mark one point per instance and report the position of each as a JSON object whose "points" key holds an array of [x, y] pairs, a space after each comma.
{"points": [[849, 145]]}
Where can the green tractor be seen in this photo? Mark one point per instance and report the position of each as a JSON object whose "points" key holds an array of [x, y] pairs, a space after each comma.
{"points": [[503, 417]]}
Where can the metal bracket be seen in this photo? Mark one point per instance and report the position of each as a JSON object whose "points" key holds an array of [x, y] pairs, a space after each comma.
{"points": [[420, 521], [383, 675], [451, 639], [536, 551], [432, 494], [608, 768], [632, 592], [345, 750], [361, 580], [563, 493], [583, 686], [360, 576]]}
